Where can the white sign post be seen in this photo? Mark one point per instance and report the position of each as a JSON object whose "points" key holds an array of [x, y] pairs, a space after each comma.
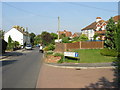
{"points": [[70, 54]]}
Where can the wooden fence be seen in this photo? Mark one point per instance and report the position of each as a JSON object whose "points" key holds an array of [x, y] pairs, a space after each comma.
{"points": [[61, 47]]}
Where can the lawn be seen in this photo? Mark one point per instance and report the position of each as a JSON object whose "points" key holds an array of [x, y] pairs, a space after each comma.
{"points": [[91, 56]]}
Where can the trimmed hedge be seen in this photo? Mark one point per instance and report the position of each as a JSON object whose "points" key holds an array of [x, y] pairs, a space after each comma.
{"points": [[108, 52]]}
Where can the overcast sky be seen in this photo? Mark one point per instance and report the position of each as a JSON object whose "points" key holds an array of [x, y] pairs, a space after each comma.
{"points": [[43, 16]]}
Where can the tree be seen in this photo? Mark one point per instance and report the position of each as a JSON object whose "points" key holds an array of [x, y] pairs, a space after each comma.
{"points": [[109, 37], [54, 35], [2, 34], [3, 45], [117, 61], [117, 38], [62, 36], [95, 36], [83, 37], [66, 40], [10, 43], [37, 39], [47, 38], [32, 35]]}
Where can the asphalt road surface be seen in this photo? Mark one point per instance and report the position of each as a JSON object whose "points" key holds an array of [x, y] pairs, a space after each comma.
{"points": [[22, 69]]}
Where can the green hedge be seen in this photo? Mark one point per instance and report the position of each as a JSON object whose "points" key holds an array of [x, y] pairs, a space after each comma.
{"points": [[108, 52], [58, 54]]}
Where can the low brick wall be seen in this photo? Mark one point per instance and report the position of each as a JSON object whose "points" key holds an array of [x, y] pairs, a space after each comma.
{"points": [[61, 47]]}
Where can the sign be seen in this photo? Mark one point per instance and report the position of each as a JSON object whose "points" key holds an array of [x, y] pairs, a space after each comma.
{"points": [[71, 54]]}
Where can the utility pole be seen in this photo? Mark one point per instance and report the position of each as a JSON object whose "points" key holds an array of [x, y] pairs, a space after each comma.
{"points": [[27, 35], [58, 28]]}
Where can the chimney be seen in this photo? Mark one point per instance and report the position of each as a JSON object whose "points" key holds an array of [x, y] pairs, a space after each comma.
{"points": [[98, 19]]}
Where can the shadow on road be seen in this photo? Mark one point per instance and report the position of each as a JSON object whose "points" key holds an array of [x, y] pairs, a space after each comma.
{"points": [[6, 62], [12, 54], [104, 83]]}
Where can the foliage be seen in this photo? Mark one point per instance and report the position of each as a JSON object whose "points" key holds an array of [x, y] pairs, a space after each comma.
{"points": [[16, 44], [54, 35], [83, 37], [37, 40], [46, 38], [49, 52], [109, 37], [108, 52], [51, 47], [62, 36], [2, 34], [58, 54], [3, 45], [95, 36], [10, 43], [76, 39], [32, 35], [117, 37], [66, 40]]}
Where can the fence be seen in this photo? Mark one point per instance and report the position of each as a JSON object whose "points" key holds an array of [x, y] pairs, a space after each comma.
{"points": [[61, 47]]}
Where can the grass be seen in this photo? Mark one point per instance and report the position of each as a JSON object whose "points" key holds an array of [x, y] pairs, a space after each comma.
{"points": [[93, 56], [90, 56]]}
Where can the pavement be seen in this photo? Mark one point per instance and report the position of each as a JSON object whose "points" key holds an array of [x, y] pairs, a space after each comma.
{"points": [[76, 75], [56, 77]]}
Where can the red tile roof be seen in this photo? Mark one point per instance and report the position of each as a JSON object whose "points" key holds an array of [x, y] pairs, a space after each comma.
{"points": [[67, 33], [116, 18], [98, 17]]}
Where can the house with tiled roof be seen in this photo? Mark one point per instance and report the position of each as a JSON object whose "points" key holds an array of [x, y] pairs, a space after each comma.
{"points": [[97, 26], [17, 35], [76, 34], [67, 33]]}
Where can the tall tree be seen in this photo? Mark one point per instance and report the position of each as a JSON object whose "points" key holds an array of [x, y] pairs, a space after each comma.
{"points": [[32, 35], [109, 37], [47, 38]]}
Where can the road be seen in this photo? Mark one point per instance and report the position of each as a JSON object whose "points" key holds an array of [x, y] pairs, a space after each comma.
{"points": [[22, 70]]}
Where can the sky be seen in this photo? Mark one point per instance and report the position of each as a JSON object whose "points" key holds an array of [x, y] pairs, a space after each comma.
{"points": [[43, 16]]}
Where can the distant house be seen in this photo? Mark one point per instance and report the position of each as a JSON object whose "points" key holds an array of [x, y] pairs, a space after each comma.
{"points": [[67, 33], [76, 34], [98, 26], [17, 35]]}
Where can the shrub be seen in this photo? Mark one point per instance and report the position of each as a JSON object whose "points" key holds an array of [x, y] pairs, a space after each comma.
{"points": [[46, 48], [49, 52], [108, 52], [51, 47], [61, 60], [58, 54]]}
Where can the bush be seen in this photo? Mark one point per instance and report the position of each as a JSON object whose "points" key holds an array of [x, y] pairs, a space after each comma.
{"points": [[108, 52], [49, 52], [58, 54], [61, 60], [51, 47]]}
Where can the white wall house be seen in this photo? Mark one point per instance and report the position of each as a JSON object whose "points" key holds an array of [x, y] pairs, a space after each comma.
{"points": [[91, 29], [17, 35]]}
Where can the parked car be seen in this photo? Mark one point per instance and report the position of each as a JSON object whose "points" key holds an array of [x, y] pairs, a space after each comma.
{"points": [[28, 47]]}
